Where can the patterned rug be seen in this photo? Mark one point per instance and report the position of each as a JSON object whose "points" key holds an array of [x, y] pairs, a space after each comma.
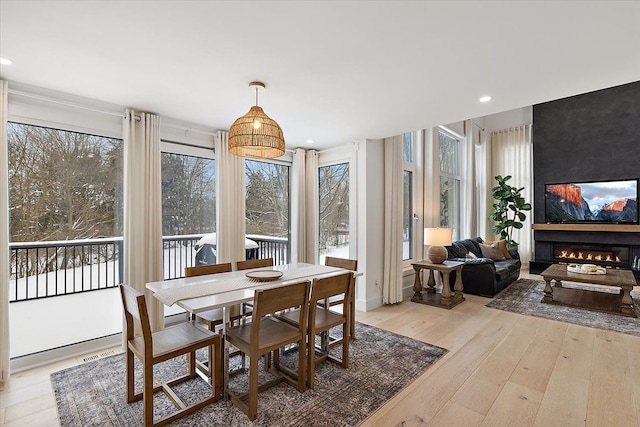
{"points": [[381, 364], [524, 297]]}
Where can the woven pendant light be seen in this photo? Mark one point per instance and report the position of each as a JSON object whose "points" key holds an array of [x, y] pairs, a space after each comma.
{"points": [[255, 134]]}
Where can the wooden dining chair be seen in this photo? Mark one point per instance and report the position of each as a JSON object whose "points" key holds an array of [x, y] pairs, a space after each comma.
{"points": [[213, 318], [153, 348], [347, 264], [265, 335], [254, 263], [322, 319]]}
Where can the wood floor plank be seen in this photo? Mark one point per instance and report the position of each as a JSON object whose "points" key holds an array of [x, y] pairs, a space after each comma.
{"points": [[45, 418], [564, 403], [479, 392], [25, 394], [517, 405], [455, 415], [536, 366], [633, 343], [428, 395], [611, 400], [26, 408], [634, 375]]}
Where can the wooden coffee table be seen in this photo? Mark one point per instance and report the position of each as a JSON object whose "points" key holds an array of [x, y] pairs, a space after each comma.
{"points": [[590, 299], [445, 299]]}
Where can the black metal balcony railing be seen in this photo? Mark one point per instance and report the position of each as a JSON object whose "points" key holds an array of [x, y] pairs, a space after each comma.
{"points": [[48, 269]]}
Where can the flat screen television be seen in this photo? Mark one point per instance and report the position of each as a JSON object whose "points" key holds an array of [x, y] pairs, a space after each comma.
{"points": [[613, 202]]}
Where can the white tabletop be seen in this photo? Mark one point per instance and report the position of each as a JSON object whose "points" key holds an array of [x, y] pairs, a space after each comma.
{"points": [[207, 292]]}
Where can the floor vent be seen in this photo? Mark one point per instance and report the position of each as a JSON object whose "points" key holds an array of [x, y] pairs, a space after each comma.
{"points": [[92, 357]]}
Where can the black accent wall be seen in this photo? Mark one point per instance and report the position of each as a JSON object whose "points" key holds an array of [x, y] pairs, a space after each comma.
{"points": [[589, 137]]}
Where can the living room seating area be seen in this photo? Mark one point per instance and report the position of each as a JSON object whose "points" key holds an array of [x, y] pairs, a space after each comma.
{"points": [[487, 270]]}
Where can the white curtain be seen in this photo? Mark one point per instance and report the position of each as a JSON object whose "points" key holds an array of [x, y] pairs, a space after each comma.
{"points": [[393, 180], [484, 184], [431, 178], [512, 154], [312, 214], [468, 217], [230, 208], [143, 208], [4, 235], [298, 207]]}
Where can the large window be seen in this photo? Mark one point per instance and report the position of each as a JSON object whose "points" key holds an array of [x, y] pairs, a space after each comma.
{"points": [[449, 182], [188, 212], [65, 191], [334, 211], [408, 149], [267, 209]]}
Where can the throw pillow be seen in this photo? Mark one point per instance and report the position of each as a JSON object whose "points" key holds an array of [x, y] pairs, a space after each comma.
{"points": [[491, 252], [502, 245], [471, 255]]}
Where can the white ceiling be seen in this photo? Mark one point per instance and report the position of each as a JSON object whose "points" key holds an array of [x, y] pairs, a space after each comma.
{"points": [[335, 71]]}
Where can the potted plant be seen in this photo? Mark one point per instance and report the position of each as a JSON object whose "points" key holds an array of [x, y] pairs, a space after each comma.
{"points": [[509, 211]]}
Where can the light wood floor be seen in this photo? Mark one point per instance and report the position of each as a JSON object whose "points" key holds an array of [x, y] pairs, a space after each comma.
{"points": [[502, 369]]}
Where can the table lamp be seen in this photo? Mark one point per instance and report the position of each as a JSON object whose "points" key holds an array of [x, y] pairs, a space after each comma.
{"points": [[437, 239]]}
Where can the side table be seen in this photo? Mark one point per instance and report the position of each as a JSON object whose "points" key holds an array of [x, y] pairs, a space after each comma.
{"points": [[430, 297]]}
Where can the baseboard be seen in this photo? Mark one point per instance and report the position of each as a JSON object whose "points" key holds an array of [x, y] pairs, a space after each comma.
{"points": [[47, 357]]}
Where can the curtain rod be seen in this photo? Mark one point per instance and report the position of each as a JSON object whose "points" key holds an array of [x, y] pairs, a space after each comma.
{"points": [[97, 110], [65, 103]]}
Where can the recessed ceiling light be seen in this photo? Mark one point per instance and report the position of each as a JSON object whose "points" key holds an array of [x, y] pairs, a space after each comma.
{"points": [[485, 98], [309, 141], [5, 61]]}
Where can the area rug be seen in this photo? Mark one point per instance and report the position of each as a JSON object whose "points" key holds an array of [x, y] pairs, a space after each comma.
{"points": [[524, 297], [381, 364]]}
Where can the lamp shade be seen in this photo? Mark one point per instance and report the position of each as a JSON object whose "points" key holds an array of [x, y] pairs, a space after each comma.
{"points": [[255, 134], [437, 236]]}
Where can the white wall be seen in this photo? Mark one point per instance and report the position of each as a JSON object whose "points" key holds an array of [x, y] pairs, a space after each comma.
{"points": [[370, 196]]}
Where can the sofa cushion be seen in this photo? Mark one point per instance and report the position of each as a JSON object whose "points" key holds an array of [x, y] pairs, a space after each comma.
{"points": [[502, 245], [506, 268], [492, 252], [456, 250]]}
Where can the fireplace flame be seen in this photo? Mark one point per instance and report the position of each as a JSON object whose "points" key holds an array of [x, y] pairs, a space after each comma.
{"points": [[587, 257]]}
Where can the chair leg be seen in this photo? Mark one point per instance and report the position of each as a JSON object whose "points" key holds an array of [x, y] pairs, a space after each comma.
{"points": [[302, 364], [191, 361], [311, 357], [352, 317], [252, 411], [147, 394], [130, 377], [345, 345], [215, 368]]}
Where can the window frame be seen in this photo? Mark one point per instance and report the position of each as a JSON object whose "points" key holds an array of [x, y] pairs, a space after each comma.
{"points": [[456, 177], [280, 161], [416, 167], [333, 157]]}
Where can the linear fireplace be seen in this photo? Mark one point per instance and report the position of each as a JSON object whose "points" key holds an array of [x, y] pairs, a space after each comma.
{"points": [[601, 254]]}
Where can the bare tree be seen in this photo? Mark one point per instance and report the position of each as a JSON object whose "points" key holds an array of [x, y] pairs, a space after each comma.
{"points": [[267, 198], [334, 204]]}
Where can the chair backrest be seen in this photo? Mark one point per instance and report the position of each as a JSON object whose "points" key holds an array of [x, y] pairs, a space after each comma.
{"points": [[347, 264], [267, 301], [135, 307], [254, 263], [326, 287], [207, 269]]}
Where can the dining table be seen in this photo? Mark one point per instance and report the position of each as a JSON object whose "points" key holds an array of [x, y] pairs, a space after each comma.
{"points": [[224, 290]]}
